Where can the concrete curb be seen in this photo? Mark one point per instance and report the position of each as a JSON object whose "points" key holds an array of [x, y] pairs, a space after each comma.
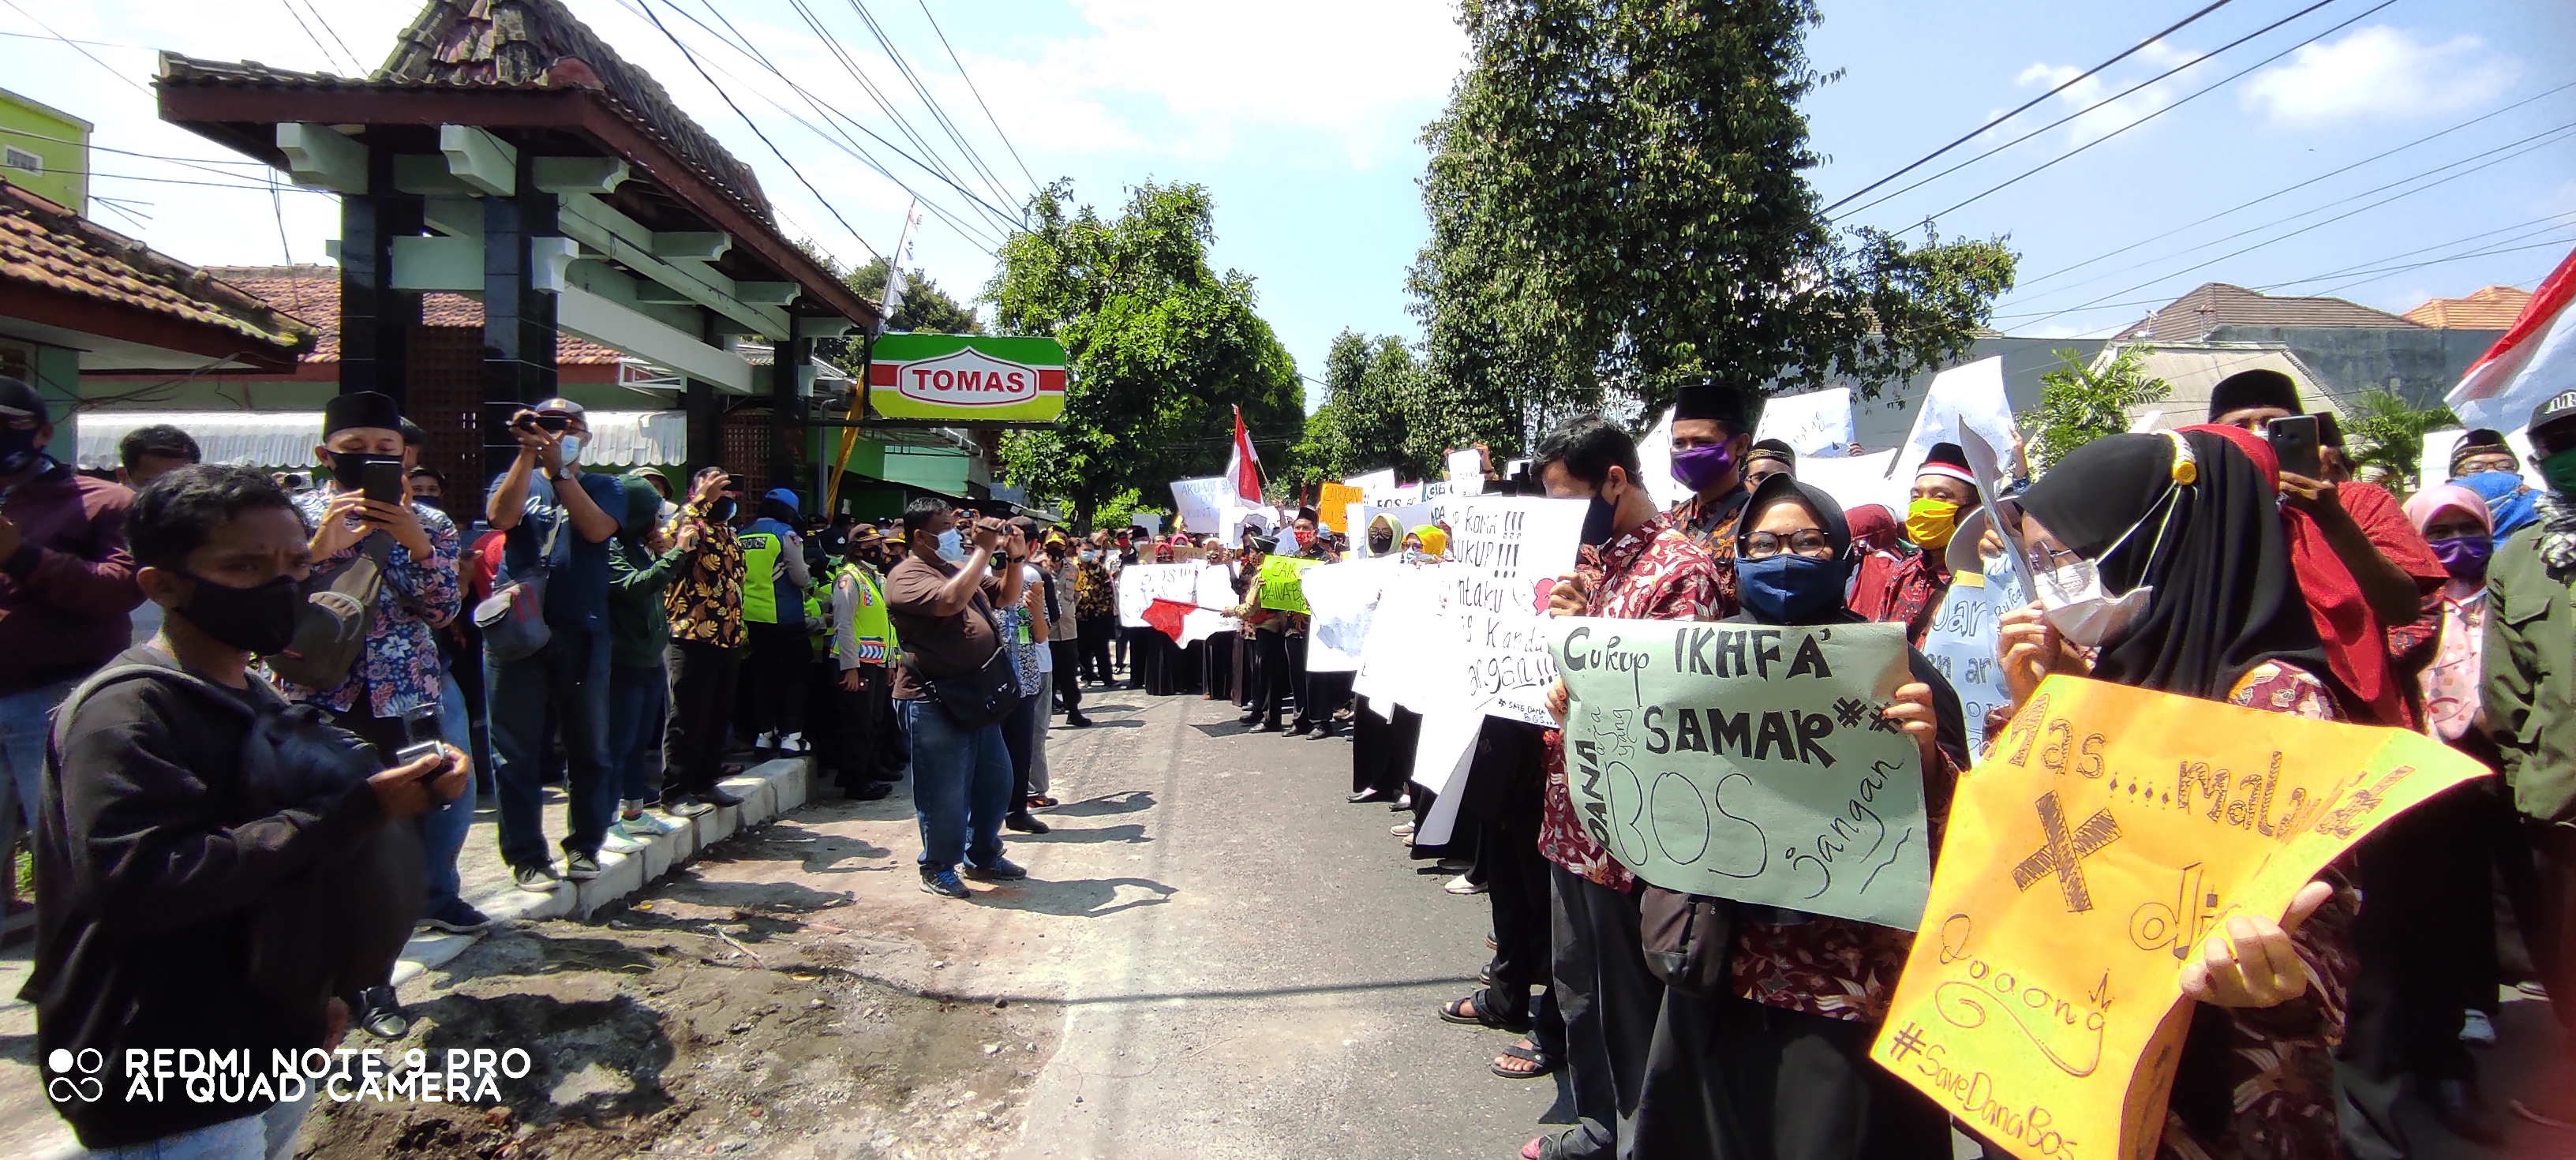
{"points": [[767, 790]]}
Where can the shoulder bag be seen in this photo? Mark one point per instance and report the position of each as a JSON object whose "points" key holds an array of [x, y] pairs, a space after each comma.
{"points": [[982, 697], [513, 618]]}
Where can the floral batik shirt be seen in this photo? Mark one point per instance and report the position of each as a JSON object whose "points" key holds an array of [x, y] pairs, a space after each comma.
{"points": [[399, 671], [1712, 527], [1651, 573], [705, 601]]}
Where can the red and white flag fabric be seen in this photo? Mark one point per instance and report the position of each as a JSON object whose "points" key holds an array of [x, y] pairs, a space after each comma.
{"points": [[1244, 468], [2534, 360]]}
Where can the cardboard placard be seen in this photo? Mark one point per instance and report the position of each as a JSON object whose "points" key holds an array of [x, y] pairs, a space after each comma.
{"points": [[1333, 503], [1140, 585], [1749, 761], [2108, 832], [1280, 589], [1341, 600], [1509, 551]]}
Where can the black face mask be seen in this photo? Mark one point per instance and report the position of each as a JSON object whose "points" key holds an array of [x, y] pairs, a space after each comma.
{"points": [[1600, 522], [18, 450], [349, 468], [258, 620]]}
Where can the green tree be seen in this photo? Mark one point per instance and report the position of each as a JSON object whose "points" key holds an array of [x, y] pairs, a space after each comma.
{"points": [[1159, 348], [1374, 400], [2381, 427], [925, 309], [1619, 206], [2081, 402]]}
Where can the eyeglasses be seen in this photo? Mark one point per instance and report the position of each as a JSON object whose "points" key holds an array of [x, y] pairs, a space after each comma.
{"points": [[2046, 559], [1812, 543]]}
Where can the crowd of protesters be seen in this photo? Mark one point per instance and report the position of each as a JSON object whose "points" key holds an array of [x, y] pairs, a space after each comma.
{"points": [[244, 796]]}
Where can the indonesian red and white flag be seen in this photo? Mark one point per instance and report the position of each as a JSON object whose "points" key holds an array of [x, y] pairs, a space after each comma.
{"points": [[2534, 360], [1244, 468]]}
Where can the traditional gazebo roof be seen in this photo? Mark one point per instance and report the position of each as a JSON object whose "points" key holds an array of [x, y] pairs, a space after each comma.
{"points": [[67, 280]]}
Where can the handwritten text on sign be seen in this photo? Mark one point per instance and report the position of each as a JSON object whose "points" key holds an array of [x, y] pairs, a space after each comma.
{"points": [[2108, 832], [1961, 645], [1140, 585], [1508, 553], [1749, 762]]}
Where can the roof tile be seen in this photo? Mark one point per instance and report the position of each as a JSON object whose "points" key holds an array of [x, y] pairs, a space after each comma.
{"points": [[46, 245], [2493, 308], [311, 292], [2211, 305]]}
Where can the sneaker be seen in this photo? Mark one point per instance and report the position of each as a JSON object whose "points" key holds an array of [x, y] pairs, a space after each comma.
{"points": [[717, 797], [684, 805], [1460, 885], [765, 743], [382, 1014], [1025, 823], [457, 916], [535, 877], [620, 840], [2476, 1029], [1002, 870], [1076, 720], [945, 884], [792, 743], [647, 824], [581, 867]]}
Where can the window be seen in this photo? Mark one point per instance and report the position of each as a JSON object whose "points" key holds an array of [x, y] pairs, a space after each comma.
{"points": [[20, 159]]}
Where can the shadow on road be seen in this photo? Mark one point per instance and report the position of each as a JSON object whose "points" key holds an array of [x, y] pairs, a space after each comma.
{"points": [[1129, 834], [1078, 898], [1123, 802]]}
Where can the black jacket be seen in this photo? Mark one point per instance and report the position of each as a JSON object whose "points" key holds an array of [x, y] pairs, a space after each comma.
{"points": [[151, 867]]}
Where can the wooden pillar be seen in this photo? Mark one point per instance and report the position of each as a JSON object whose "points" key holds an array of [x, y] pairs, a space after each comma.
{"points": [[376, 320], [518, 318], [706, 448], [787, 412]]}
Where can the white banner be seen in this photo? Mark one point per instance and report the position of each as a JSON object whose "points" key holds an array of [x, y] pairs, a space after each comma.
{"points": [[1972, 395], [1817, 423], [1509, 551], [1140, 585], [1202, 503], [1467, 472], [1340, 599], [1655, 465], [1374, 483]]}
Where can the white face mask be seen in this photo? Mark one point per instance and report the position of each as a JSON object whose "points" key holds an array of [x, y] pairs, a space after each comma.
{"points": [[571, 445], [952, 547], [2076, 603]]}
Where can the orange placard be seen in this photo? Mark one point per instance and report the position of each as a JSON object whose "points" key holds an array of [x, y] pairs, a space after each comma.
{"points": [[2103, 837], [1334, 506]]}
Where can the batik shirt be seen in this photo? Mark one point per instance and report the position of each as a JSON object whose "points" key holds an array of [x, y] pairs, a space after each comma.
{"points": [[1651, 573], [705, 601], [399, 669], [1712, 527], [1095, 593], [1910, 594]]}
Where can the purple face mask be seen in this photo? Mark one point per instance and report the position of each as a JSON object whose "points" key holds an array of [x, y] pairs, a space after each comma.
{"points": [[2465, 557], [1699, 467]]}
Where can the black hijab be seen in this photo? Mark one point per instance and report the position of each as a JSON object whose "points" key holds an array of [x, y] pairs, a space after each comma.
{"points": [[2225, 598], [1950, 717]]}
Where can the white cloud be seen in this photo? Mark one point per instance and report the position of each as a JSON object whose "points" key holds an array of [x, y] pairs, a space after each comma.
{"points": [[2380, 71], [2114, 112]]}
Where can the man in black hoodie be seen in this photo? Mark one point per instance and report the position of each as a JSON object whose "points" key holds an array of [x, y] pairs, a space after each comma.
{"points": [[161, 873]]}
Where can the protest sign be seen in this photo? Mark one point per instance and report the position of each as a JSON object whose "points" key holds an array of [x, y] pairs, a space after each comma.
{"points": [[1340, 600], [1972, 394], [2108, 832], [1655, 465], [1749, 761], [1374, 483], [1406, 516], [1467, 472], [1816, 423], [1203, 503], [1961, 646], [1399, 661], [1280, 590], [1332, 505], [1858, 480], [1140, 585], [1509, 552]]}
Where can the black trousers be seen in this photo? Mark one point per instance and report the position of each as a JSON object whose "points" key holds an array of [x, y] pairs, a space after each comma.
{"points": [[894, 747], [1732, 1077], [1018, 738], [374, 896], [1610, 1002], [858, 739], [1270, 677], [702, 687], [1322, 694], [1068, 683], [1092, 636], [1382, 749], [2552, 937], [2427, 897], [774, 689]]}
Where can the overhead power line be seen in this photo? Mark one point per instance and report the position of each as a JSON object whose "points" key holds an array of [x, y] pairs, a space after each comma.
{"points": [[2193, 96], [921, 90], [1972, 134], [755, 130], [2246, 205], [979, 94], [76, 47]]}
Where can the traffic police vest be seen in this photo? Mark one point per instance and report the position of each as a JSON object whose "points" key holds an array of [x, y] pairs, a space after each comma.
{"points": [[760, 568]]}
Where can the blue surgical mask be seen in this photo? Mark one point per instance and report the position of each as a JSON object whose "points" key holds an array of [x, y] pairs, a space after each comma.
{"points": [[1789, 588], [952, 547]]}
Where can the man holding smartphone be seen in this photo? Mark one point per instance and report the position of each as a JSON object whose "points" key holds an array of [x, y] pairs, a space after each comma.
{"points": [[362, 506], [556, 520], [944, 614]]}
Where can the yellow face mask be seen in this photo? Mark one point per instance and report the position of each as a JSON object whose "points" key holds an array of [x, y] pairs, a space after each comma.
{"points": [[1931, 522]]}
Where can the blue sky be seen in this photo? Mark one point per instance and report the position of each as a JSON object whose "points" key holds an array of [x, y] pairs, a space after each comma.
{"points": [[1302, 120]]}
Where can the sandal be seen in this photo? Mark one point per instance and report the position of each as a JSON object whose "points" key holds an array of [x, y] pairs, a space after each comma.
{"points": [[1039, 801], [1541, 1062], [1472, 1010], [1530, 1151]]}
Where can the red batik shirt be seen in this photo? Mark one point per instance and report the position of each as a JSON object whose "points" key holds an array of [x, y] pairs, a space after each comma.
{"points": [[1651, 573]]}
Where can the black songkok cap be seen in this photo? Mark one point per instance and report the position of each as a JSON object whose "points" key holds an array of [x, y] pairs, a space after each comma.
{"points": [[1774, 449], [360, 409], [1723, 402], [2261, 387]]}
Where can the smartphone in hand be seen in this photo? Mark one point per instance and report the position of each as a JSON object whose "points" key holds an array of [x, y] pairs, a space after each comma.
{"points": [[422, 737], [2294, 443], [384, 482]]}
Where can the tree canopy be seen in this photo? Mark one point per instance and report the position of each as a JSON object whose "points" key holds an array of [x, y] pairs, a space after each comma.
{"points": [[2081, 402], [1158, 347], [1619, 207], [925, 309], [1372, 416]]}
